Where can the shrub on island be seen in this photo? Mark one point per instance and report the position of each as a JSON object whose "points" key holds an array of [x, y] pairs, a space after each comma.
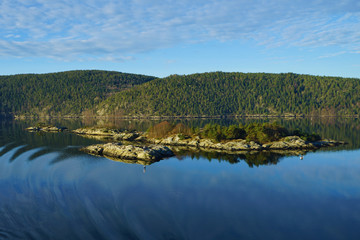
{"points": [[257, 132]]}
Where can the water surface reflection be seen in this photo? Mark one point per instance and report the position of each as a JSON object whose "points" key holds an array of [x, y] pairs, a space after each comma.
{"points": [[50, 190]]}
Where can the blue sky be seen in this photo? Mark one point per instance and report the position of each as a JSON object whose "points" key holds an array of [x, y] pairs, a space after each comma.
{"points": [[163, 37]]}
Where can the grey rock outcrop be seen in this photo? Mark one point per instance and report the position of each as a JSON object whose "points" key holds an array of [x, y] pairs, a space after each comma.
{"points": [[130, 152], [287, 143], [94, 131], [106, 133], [235, 145]]}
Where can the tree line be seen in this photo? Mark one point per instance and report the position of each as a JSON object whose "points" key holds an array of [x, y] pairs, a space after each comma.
{"points": [[63, 93], [224, 94], [197, 95]]}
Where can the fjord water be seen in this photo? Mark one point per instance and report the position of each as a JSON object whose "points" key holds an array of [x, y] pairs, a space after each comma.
{"points": [[51, 190]]}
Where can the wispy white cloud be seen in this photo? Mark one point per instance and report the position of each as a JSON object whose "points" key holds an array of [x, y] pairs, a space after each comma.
{"points": [[333, 54], [170, 61], [111, 29]]}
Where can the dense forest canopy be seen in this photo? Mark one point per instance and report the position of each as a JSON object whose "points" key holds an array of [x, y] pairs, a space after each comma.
{"points": [[63, 93], [224, 94], [94, 92]]}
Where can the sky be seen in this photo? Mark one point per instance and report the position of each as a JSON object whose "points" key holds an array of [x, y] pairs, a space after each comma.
{"points": [[164, 37]]}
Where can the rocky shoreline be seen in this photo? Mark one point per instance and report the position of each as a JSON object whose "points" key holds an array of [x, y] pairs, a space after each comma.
{"points": [[156, 150], [147, 150], [287, 143]]}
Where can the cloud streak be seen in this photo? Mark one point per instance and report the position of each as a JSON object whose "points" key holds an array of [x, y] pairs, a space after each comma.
{"points": [[109, 29]]}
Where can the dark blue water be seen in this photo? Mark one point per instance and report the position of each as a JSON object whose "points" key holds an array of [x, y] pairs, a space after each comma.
{"points": [[51, 190]]}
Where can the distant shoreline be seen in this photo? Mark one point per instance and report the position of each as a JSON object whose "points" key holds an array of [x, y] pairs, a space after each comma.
{"points": [[17, 117]]}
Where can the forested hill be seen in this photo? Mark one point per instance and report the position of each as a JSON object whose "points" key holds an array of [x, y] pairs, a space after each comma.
{"points": [[63, 93], [219, 93]]}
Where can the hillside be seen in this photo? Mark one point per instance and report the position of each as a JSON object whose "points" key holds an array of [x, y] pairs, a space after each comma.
{"points": [[219, 94], [61, 94]]}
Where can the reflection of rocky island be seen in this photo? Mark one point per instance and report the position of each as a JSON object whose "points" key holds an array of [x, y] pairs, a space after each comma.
{"points": [[252, 158], [232, 140]]}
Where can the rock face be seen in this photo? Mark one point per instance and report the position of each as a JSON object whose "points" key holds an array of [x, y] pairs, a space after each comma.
{"points": [[130, 152], [46, 129]]}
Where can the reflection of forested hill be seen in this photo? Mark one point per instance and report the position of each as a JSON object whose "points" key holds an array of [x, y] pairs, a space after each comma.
{"points": [[14, 139], [218, 93]]}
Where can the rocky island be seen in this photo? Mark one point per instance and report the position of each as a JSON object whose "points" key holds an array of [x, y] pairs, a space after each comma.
{"points": [[42, 127], [108, 133], [151, 144]]}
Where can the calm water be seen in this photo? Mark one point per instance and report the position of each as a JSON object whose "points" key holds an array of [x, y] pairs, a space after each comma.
{"points": [[51, 190]]}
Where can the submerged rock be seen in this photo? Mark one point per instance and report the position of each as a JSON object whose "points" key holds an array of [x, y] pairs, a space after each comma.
{"points": [[130, 152]]}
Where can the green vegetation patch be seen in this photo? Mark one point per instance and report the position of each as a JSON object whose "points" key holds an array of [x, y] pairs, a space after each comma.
{"points": [[165, 129], [257, 132]]}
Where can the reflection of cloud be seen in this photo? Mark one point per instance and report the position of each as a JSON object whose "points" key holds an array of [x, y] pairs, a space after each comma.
{"points": [[109, 29]]}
